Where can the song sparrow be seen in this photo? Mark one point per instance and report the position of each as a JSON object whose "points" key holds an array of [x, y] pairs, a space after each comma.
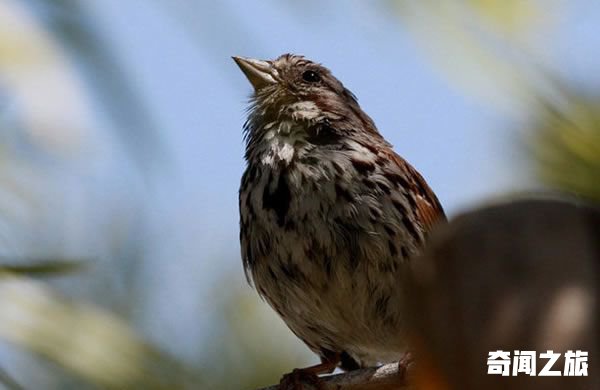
{"points": [[330, 215]]}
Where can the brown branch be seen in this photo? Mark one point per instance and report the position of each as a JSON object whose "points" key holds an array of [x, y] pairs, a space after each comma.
{"points": [[386, 377]]}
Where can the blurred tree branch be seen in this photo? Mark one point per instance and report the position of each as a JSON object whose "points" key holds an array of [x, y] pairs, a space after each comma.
{"points": [[42, 268]]}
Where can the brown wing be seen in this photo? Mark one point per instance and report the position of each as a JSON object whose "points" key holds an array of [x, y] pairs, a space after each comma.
{"points": [[428, 207]]}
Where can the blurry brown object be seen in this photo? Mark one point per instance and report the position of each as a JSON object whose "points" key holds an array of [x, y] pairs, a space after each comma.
{"points": [[515, 276]]}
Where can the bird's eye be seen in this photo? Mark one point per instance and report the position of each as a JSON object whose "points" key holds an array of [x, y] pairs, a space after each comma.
{"points": [[311, 76]]}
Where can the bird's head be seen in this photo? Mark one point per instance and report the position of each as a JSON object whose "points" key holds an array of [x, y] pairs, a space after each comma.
{"points": [[292, 90]]}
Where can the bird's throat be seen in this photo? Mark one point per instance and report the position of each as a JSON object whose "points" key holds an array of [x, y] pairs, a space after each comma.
{"points": [[282, 142]]}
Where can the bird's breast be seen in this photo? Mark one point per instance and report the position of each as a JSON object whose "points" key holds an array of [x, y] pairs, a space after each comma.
{"points": [[323, 247]]}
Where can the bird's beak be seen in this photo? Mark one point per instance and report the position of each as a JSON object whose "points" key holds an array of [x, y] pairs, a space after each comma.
{"points": [[259, 73]]}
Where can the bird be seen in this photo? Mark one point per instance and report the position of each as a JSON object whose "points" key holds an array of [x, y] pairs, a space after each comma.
{"points": [[330, 216]]}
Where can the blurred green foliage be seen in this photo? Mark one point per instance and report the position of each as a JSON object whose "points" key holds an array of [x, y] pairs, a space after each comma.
{"points": [[87, 341], [45, 268], [566, 144]]}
